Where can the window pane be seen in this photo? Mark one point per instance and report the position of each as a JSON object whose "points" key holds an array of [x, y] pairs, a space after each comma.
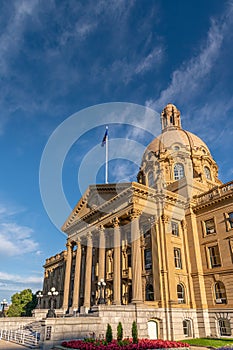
{"points": [[177, 258], [187, 328], [224, 327], [210, 226], [220, 293], [178, 171], [175, 228], [180, 294], [231, 219], [148, 259], [207, 173], [149, 292], [214, 256]]}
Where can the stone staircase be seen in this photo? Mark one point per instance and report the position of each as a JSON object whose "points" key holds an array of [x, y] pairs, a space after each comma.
{"points": [[28, 335]]}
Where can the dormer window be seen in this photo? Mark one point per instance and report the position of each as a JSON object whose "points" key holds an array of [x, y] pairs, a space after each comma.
{"points": [[207, 173], [178, 171]]}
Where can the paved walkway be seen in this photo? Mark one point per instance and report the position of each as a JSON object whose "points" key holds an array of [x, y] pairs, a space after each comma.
{"points": [[7, 345]]}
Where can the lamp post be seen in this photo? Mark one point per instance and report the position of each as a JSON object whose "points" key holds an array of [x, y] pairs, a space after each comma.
{"points": [[3, 304], [101, 287], [52, 294], [39, 296]]}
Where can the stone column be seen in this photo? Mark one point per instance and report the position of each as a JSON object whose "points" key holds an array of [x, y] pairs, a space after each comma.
{"points": [[117, 263], [136, 259], [67, 277], [77, 276], [101, 272], [87, 291]]}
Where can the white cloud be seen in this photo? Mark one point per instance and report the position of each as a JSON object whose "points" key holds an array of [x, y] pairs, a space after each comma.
{"points": [[7, 277], [13, 283], [154, 57], [189, 78], [11, 38], [15, 239]]}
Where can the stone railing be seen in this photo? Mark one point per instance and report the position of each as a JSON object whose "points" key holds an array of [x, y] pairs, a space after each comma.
{"points": [[215, 192]]}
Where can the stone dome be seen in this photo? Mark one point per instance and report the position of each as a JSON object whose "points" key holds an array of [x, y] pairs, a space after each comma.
{"points": [[177, 138], [177, 154]]}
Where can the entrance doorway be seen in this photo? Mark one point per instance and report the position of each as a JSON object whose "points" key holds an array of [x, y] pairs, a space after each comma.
{"points": [[152, 329]]}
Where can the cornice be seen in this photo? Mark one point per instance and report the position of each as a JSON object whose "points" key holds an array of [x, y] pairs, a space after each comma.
{"points": [[128, 198], [214, 196]]}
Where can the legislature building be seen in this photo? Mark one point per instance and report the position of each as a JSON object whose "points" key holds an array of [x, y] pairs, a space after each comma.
{"points": [[158, 251]]}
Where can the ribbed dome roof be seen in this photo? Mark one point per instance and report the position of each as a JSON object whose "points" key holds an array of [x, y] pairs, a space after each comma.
{"points": [[176, 136]]}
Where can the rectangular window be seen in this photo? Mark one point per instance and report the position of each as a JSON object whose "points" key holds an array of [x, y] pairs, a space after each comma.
{"points": [[224, 327], [214, 256], [210, 227], [230, 219], [175, 228], [148, 259], [177, 258]]}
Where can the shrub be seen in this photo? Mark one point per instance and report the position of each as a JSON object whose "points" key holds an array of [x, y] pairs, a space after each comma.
{"points": [[135, 332], [119, 332], [109, 333]]}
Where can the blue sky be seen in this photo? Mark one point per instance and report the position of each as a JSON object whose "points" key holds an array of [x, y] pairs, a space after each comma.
{"points": [[59, 57]]}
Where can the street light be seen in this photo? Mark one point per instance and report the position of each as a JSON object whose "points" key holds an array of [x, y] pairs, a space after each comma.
{"points": [[101, 286], [52, 294], [3, 304], [39, 296]]}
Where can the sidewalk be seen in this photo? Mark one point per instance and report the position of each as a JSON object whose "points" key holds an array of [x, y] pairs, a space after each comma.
{"points": [[7, 345]]}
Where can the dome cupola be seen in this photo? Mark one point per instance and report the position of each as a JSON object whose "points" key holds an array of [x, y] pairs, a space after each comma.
{"points": [[178, 156]]}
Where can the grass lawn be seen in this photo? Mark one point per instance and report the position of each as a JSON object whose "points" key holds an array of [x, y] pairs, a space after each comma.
{"points": [[215, 343]]}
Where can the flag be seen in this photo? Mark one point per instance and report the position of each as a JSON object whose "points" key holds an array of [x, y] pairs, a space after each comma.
{"points": [[105, 137]]}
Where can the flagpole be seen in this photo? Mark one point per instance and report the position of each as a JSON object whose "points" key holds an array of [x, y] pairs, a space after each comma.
{"points": [[106, 159]]}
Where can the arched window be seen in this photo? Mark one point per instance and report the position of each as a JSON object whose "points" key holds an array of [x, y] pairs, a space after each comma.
{"points": [[178, 171], [150, 179], [149, 292], [207, 172], [187, 328], [224, 326], [180, 293], [220, 293]]}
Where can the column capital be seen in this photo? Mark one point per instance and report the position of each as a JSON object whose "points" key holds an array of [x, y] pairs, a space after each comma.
{"points": [[134, 214], [78, 243], [165, 218], [101, 228], [69, 245], [115, 222]]}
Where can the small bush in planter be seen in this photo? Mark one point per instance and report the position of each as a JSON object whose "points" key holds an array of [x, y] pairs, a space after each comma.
{"points": [[109, 334], [135, 332]]}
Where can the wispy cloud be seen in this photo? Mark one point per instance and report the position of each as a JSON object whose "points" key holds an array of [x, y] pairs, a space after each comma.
{"points": [[19, 279], [15, 239], [11, 39], [155, 56], [189, 78], [14, 283]]}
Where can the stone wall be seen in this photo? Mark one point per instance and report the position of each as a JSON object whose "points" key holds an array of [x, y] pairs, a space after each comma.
{"points": [[14, 323], [56, 330]]}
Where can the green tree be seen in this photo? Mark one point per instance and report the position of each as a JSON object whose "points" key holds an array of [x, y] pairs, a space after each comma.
{"points": [[135, 332], [119, 331], [109, 334], [22, 304]]}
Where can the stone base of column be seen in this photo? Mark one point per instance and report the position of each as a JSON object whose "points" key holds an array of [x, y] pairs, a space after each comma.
{"points": [[73, 310], [84, 310], [65, 309], [135, 301]]}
